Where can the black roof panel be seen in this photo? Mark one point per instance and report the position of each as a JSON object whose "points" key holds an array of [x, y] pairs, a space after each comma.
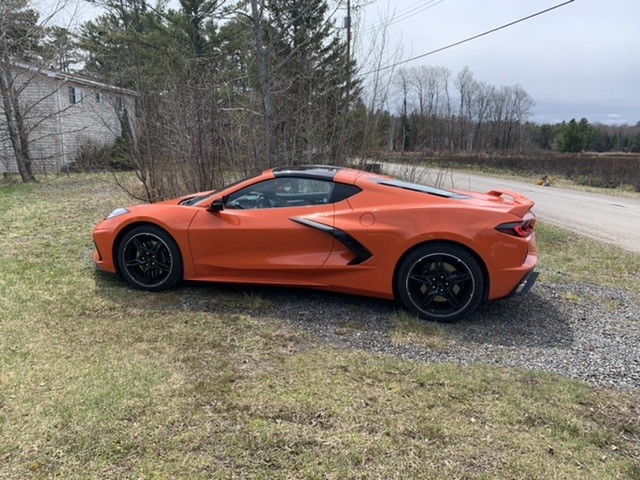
{"points": [[325, 172]]}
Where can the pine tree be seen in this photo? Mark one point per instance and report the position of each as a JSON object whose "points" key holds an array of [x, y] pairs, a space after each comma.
{"points": [[310, 75], [572, 138]]}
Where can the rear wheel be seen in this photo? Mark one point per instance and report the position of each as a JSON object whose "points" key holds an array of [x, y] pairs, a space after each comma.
{"points": [[440, 282], [149, 258]]}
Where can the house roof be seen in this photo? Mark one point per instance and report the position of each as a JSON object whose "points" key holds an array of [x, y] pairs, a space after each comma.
{"points": [[76, 79]]}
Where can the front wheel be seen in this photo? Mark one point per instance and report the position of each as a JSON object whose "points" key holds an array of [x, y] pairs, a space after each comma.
{"points": [[149, 258], [440, 282]]}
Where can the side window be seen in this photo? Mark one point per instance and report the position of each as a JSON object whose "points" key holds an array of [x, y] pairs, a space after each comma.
{"points": [[343, 191], [75, 96], [283, 192]]}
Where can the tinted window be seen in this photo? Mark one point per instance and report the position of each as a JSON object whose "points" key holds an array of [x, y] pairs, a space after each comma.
{"points": [[283, 192], [342, 191]]}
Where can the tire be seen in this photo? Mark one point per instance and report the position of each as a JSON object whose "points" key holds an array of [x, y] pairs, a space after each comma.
{"points": [[440, 282], [149, 259]]}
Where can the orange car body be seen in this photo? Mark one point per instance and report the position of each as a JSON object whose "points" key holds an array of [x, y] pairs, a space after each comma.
{"points": [[352, 245]]}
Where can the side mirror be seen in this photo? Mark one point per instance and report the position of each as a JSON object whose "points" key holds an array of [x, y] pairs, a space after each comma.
{"points": [[216, 206]]}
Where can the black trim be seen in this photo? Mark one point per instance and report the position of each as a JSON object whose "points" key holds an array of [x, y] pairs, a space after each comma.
{"points": [[359, 250], [526, 284], [324, 172], [415, 187]]}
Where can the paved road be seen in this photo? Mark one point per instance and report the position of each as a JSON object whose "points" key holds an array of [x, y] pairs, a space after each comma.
{"points": [[613, 220]]}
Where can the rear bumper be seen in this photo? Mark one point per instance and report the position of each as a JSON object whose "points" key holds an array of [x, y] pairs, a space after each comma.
{"points": [[526, 284]]}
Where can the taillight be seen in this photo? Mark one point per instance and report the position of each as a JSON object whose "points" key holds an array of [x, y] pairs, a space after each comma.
{"points": [[521, 229]]}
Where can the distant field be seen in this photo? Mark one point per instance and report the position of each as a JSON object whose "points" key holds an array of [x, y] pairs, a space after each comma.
{"points": [[101, 381]]}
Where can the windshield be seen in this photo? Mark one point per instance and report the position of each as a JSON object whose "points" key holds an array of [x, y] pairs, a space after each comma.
{"points": [[208, 196]]}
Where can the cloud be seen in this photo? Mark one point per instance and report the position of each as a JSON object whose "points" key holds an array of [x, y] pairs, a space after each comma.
{"points": [[616, 119]]}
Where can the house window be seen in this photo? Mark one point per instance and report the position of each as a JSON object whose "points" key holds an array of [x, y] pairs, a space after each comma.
{"points": [[75, 96], [99, 97]]}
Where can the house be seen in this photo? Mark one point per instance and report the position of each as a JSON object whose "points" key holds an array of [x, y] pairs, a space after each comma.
{"points": [[63, 112]]}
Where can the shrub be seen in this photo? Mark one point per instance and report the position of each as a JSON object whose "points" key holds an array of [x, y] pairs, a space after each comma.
{"points": [[92, 156], [614, 170]]}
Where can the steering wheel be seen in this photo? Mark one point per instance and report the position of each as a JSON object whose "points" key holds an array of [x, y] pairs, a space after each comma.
{"points": [[265, 200]]}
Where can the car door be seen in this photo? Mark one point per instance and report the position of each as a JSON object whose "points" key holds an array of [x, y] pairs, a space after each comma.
{"points": [[258, 234]]}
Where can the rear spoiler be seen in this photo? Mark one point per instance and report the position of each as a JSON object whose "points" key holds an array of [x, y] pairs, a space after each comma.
{"points": [[521, 205]]}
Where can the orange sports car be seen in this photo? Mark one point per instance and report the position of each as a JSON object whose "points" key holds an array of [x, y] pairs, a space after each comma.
{"points": [[440, 253]]}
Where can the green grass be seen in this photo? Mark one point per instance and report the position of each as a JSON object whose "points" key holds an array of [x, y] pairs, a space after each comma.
{"points": [[101, 381]]}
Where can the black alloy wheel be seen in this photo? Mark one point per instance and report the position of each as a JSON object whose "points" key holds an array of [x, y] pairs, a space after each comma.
{"points": [[440, 282], [149, 258]]}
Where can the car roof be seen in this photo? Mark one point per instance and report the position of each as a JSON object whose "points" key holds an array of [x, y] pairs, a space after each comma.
{"points": [[322, 172], [325, 172]]}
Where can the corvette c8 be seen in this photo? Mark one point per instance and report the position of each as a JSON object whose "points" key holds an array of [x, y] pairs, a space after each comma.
{"points": [[440, 253]]}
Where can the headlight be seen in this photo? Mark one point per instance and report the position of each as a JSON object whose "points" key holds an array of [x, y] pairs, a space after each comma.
{"points": [[117, 212]]}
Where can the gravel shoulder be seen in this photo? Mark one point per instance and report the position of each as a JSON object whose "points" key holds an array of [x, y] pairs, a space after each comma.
{"points": [[579, 331]]}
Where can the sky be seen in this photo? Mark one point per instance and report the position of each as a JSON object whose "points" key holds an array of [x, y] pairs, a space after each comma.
{"points": [[579, 60]]}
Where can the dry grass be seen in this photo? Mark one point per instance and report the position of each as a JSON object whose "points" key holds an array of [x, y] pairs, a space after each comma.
{"points": [[101, 381], [568, 257], [409, 329]]}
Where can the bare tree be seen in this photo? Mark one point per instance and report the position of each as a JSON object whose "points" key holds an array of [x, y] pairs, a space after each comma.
{"points": [[22, 34], [378, 80], [403, 84], [481, 105], [264, 78], [466, 85], [457, 114], [19, 31]]}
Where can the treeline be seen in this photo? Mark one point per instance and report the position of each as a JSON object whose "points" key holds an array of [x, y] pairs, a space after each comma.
{"points": [[575, 137], [240, 86], [223, 85], [244, 85], [442, 112]]}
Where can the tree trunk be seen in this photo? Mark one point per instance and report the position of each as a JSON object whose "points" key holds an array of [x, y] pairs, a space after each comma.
{"points": [[273, 153], [15, 122]]}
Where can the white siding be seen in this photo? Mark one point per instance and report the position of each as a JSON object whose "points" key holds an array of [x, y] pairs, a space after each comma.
{"points": [[58, 127]]}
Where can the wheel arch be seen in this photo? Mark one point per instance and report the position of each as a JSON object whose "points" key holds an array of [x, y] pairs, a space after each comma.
{"points": [[478, 258], [121, 234]]}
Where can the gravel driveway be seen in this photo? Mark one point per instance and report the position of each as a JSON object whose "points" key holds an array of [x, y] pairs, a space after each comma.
{"points": [[579, 331]]}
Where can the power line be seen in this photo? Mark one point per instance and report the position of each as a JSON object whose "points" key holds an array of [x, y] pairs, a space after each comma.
{"points": [[405, 13], [493, 30], [415, 11]]}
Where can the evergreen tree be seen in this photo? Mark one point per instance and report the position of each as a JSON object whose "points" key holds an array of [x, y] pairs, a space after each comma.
{"points": [[20, 33], [126, 46], [572, 138], [61, 48], [311, 75]]}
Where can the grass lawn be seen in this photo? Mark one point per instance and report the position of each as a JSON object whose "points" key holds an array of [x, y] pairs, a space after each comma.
{"points": [[101, 381]]}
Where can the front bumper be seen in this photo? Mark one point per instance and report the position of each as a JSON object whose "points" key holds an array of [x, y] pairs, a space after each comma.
{"points": [[101, 263]]}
